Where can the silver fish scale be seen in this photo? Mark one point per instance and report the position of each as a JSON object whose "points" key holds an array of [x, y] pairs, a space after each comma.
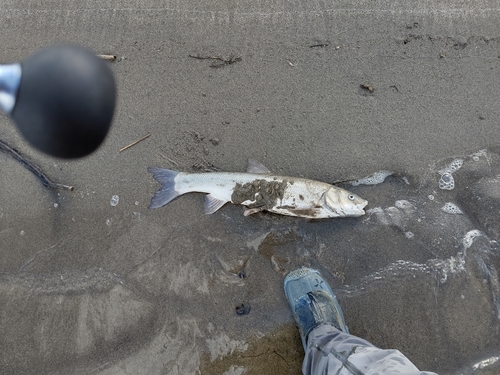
{"points": [[221, 185]]}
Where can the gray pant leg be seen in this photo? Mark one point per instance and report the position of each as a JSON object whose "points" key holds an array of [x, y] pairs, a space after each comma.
{"points": [[333, 352]]}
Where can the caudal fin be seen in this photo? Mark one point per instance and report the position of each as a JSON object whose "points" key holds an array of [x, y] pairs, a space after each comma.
{"points": [[166, 193]]}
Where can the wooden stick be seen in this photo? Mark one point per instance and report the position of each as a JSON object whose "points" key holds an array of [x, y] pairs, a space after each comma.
{"points": [[134, 143]]}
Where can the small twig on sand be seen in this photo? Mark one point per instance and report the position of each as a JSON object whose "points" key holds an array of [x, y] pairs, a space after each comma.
{"points": [[367, 87], [33, 168], [320, 45], [107, 57], [223, 60], [135, 142]]}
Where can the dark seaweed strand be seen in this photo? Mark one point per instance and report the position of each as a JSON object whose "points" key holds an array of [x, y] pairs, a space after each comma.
{"points": [[33, 168]]}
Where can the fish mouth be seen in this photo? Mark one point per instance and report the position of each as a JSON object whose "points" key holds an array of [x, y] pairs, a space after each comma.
{"points": [[356, 210], [361, 206]]}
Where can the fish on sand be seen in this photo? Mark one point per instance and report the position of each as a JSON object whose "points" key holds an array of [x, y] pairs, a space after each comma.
{"points": [[259, 190]]}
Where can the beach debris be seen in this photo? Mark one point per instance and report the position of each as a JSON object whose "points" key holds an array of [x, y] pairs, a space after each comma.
{"points": [[319, 45], [374, 179], [219, 61], [135, 142], [46, 181], [259, 190], [367, 87], [107, 57], [242, 274], [243, 309]]}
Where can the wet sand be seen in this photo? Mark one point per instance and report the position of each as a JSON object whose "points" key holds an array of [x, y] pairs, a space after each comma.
{"points": [[332, 91]]}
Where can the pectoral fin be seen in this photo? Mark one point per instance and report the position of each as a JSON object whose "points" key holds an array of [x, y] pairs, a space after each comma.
{"points": [[255, 167], [212, 204], [251, 211]]}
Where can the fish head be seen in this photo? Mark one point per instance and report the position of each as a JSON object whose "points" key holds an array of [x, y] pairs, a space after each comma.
{"points": [[343, 203]]}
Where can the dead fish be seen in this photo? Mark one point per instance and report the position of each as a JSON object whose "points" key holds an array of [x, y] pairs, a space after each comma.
{"points": [[259, 190]]}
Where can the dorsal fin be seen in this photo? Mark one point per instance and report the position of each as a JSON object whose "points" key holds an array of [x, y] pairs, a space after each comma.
{"points": [[255, 167]]}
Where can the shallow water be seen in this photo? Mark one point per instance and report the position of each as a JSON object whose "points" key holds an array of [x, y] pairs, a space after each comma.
{"points": [[418, 272]]}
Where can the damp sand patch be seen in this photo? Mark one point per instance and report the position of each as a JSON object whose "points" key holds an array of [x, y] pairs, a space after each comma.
{"points": [[279, 352]]}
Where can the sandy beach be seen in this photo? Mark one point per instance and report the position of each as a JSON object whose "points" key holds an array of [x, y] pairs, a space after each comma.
{"points": [[94, 282]]}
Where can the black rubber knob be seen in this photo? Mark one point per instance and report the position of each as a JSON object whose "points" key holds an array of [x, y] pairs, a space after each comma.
{"points": [[65, 102]]}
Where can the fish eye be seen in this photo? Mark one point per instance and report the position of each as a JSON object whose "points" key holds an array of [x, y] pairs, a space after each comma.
{"points": [[351, 197]]}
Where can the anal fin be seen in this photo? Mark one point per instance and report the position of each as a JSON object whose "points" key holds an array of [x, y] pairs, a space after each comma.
{"points": [[212, 204]]}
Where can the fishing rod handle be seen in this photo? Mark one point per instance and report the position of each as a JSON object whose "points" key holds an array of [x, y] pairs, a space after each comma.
{"points": [[10, 77]]}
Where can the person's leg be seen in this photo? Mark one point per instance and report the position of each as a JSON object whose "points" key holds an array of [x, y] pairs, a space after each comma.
{"points": [[331, 351], [329, 347]]}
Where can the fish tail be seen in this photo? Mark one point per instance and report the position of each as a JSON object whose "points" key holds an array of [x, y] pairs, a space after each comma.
{"points": [[166, 193]]}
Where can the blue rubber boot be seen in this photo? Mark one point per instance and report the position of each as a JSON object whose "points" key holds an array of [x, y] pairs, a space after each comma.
{"points": [[313, 302]]}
